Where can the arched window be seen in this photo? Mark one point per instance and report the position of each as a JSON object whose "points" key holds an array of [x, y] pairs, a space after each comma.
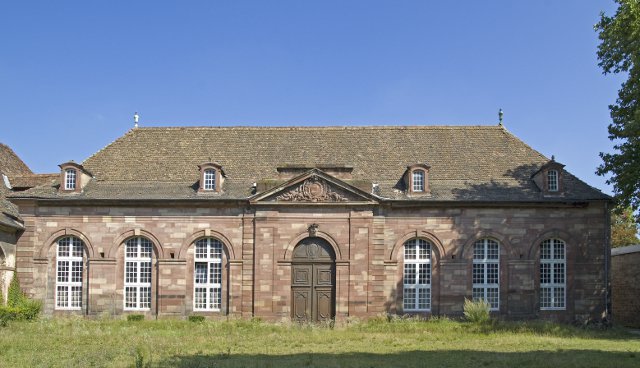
{"points": [[552, 274], [486, 272], [417, 181], [137, 274], [207, 275], [416, 295], [69, 265], [209, 179]]}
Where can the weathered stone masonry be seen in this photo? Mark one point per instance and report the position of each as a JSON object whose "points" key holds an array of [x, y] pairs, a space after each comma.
{"points": [[368, 246]]}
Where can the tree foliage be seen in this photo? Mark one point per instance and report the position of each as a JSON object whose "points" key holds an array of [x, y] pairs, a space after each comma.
{"points": [[619, 52], [624, 228]]}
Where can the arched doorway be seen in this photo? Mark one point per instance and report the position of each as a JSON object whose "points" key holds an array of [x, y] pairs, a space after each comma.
{"points": [[313, 281]]}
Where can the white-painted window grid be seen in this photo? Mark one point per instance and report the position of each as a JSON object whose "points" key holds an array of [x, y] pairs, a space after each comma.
{"points": [[553, 275], [137, 274], [207, 275], [486, 272], [69, 267], [416, 294]]}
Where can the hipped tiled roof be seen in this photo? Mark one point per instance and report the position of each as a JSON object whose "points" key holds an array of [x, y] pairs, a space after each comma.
{"points": [[468, 163], [11, 166]]}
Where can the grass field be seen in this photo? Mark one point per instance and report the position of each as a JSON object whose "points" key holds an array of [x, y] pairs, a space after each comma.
{"points": [[376, 343]]}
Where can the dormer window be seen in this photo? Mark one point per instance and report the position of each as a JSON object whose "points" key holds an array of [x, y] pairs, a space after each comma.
{"points": [[70, 179], [417, 181], [73, 178], [549, 178], [552, 180], [211, 177]]}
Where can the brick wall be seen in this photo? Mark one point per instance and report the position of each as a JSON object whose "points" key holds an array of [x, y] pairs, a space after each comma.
{"points": [[625, 285]]}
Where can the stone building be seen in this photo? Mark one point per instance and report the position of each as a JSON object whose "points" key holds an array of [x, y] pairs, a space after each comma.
{"points": [[625, 287], [316, 223]]}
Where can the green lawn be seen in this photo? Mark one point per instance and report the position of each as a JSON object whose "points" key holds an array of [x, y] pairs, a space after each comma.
{"points": [[377, 343]]}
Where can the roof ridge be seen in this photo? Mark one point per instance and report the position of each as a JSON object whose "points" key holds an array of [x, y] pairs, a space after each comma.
{"points": [[319, 127]]}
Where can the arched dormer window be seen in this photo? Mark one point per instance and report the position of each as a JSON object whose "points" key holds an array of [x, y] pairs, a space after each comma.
{"points": [[73, 177], [552, 180], [70, 179], [549, 179], [211, 177], [417, 179]]}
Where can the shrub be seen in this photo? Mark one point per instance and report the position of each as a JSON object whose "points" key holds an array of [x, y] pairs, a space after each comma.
{"points": [[1, 296], [197, 319], [135, 317], [476, 311], [27, 311], [15, 296]]}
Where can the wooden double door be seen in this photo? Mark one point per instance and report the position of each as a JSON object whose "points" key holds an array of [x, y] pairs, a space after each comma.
{"points": [[313, 281]]}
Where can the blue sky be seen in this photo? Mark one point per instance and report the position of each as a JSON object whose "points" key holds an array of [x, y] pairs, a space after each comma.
{"points": [[72, 73]]}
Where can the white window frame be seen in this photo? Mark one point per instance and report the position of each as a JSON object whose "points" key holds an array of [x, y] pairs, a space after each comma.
{"points": [[70, 179], [552, 180], [134, 258], [418, 185], [485, 258], [209, 178], [211, 259], [413, 262], [68, 266], [557, 280]]}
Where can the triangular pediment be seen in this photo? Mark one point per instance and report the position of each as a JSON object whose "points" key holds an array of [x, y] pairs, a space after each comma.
{"points": [[315, 186]]}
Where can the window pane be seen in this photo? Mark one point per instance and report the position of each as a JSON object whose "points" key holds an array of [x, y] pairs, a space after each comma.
{"points": [[145, 272], [215, 298], [200, 273], [63, 247], [76, 271], [478, 273], [131, 297], [559, 297], [145, 297], [409, 298], [62, 297], [200, 298], [493, 297], [409, 274], [545, 297], [131, 272], [424, 298], [63, 271], [545, 273], [558, 273], [492, 273], [418, 181], [76, 296]]}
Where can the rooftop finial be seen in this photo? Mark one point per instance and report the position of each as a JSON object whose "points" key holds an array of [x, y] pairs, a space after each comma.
{"points": [[500, 115], [135, 119], [553, 157]]}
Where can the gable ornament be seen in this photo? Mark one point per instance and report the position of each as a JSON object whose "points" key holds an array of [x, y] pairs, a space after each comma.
{"points": [[313, 189]]}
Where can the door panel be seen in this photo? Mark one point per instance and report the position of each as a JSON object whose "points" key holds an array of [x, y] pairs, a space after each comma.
{"points": [[313, 281], [302, 304]]}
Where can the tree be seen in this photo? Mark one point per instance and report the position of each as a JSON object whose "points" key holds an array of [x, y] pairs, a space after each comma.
{"points": [[624, 228], [619, 52]]}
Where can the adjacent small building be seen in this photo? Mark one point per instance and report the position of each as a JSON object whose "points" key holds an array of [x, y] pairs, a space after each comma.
{"points": [[315, 223], [625, 285]]}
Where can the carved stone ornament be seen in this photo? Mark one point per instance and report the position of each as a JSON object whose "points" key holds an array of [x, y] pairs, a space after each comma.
{"points": [[313, 230], [313, 189]]}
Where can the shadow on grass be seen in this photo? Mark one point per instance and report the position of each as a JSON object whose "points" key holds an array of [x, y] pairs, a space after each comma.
{"points": [[441, 358]]}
